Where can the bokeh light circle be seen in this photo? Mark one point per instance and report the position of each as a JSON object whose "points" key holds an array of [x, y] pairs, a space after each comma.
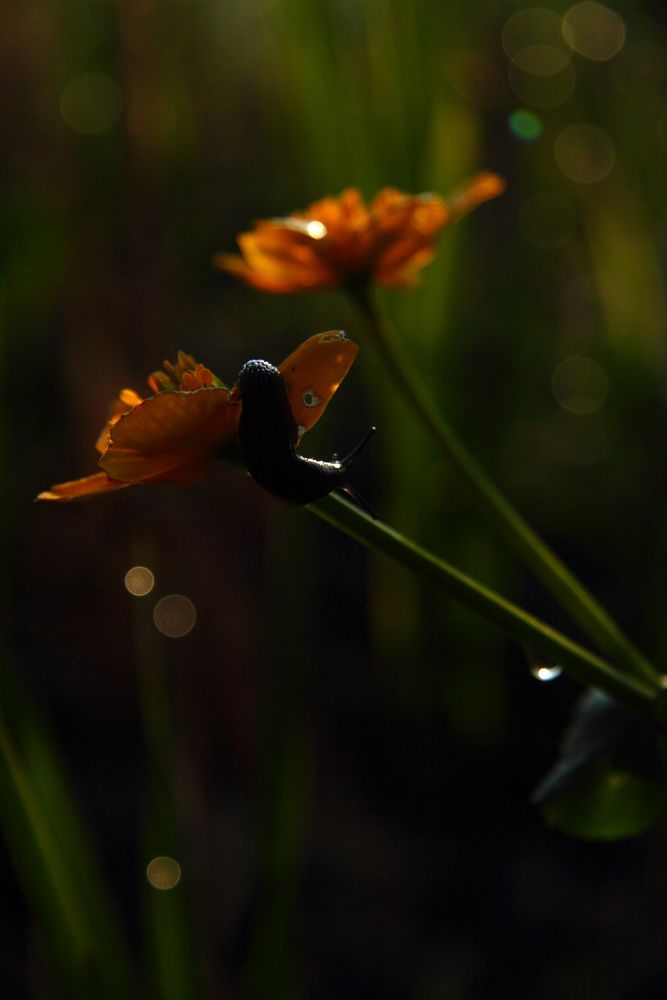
{"points": [[531, 26], [174, 616], [580, 385], [594, 31], [525, 125], [584, 153], [139, 581], [163, 873], [91, 103], [541, 60], [547, 220]]}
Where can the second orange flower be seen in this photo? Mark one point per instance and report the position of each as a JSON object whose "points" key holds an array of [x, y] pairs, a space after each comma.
{"points": [[341, 240]]}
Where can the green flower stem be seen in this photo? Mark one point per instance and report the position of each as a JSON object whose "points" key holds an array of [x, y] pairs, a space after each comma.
{"points": [[637, 694], [564, 586]]}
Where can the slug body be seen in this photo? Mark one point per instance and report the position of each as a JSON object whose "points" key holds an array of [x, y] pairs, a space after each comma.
{"points": [[268, 436]]}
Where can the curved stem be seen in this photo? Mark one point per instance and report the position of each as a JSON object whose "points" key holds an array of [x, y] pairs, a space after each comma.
{"points": [[564, 586], [637, 694]]}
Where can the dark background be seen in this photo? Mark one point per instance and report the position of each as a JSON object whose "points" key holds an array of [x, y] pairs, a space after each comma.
{"points": [[340, 758]]}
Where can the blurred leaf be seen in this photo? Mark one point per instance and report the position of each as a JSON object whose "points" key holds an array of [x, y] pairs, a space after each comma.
{"points": [[54, 858], [608, 782]]}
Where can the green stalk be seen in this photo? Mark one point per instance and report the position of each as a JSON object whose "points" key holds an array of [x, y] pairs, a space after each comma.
{"points": [[558, 579], [639, 695]]}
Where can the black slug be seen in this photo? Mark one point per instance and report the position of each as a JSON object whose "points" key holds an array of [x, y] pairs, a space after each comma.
{"points": [[268, 437]]}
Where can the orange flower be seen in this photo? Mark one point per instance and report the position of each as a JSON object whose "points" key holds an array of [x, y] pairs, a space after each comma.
{"points": [[175, 435], [342, 240]]}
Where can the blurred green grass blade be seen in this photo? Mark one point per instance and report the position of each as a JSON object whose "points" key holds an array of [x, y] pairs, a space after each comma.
{"points": [[308, 74], [171, 950], [629, 274], [358, 87], [40, 868], [173, 980], [171, 960], [171, 954], [53, 857]]}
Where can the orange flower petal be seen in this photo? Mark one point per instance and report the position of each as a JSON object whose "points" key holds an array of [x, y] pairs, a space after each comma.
{"points": [[279, 252], [200, 378], [81, 489], [387, 202], [279, 284], [288, 270], [346, 211], [172, 437], [313, 372], [478, 189], [126, 400]]}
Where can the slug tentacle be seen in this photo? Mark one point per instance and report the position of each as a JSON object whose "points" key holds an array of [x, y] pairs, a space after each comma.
{"points": [[268, 435], [358, 448]]}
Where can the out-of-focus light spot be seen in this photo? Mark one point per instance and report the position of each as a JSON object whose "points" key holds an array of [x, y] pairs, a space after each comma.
{"points": [[316, 230], [139, 581], [547, 220], [543, 92], [641, 74], [163, 873], [174, 616], [91, 103], [531, 26], [309, 227], [584, 153], [540, 72], [546, 673], [475, 78], [594, 31], [580, 385], [541, 60], [525, 125]]}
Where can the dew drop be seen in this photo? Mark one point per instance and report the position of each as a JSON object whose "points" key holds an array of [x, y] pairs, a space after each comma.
{"points": [[546, 673]]}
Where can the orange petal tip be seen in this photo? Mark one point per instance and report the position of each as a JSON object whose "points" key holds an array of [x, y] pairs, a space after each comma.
{"points": [[82, 489]]}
